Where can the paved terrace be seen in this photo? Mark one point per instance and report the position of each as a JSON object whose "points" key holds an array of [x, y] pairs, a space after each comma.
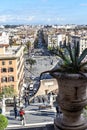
{"points": [[34, 118]]}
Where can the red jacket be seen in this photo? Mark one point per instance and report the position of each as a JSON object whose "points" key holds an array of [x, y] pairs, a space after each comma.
{"points": [[21, 112]]}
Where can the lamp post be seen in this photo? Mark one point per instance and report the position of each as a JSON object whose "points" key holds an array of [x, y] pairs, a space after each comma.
{"points": [[3, 105], [15, 102]]}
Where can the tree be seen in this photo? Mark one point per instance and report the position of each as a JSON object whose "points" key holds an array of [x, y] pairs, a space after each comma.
{"points": [[36, 42], [8, 91], [25, 50], [28, 45], [3, 122], [31, 62]]}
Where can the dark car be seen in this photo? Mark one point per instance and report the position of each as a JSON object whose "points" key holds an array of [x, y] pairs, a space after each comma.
{"points": [[9, 102]]}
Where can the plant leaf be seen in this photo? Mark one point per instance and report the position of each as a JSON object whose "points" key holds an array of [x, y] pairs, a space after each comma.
{"points": [[82, 56], [70, 52]]}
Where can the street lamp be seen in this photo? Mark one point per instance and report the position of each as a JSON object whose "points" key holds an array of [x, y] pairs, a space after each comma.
{"points": [[15, 102], [3, 105]]}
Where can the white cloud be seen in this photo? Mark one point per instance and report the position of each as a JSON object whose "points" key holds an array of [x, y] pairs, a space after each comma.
{"points": [[4, 18], [30, 18], [7, 18], [49, 20], [84, 4], [55, 19], [60, 19]]}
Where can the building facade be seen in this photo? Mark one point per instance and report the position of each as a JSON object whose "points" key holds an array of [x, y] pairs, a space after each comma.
{"points": [[83, 43], [4, 39], [11, 67]]}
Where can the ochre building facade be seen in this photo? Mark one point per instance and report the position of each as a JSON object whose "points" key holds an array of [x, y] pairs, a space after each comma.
{"points": [[11, 67]]}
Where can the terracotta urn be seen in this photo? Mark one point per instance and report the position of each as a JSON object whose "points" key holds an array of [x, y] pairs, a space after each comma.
{"points": [[72, 98]]}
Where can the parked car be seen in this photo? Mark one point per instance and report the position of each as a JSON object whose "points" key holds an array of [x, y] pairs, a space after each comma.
{"points": [[9, 102]]}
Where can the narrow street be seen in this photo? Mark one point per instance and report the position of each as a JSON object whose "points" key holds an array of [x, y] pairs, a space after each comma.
{"points": [[44, 61]]}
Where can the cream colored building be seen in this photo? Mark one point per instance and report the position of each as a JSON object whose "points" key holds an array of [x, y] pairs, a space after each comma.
{"points": [[46, 86], [83, 43], [4, 39], [55, 40], [11, 67], [52, 40]]}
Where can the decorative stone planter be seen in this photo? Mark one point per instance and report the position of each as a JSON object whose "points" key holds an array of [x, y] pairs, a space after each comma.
{"points": [[72, 98]]}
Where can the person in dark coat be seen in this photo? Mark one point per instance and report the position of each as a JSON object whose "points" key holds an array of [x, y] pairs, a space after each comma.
{"points": [[58, 110], [15, 112]]}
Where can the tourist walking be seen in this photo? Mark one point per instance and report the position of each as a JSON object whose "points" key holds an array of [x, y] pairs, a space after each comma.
{"points": [[22, 117]]}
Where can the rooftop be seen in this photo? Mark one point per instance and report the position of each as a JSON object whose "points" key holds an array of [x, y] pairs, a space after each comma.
{"points": [[12, 50], [9, 52]]}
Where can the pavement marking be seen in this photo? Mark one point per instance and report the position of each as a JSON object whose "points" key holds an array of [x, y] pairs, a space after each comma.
{"points": [[9, 126], [39, 124], [33, 124]]}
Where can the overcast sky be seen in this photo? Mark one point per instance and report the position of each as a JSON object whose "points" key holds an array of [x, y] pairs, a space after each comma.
{"points": [[43, 12]]}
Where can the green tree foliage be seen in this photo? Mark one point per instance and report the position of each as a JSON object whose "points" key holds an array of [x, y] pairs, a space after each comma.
{"points": [[28, 46], [36, 42], [25, 49], [71, 61], [31, 62], [3, 122], [8, 91]]}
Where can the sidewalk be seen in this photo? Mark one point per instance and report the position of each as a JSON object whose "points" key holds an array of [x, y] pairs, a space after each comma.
{"points": [[33, 117]]}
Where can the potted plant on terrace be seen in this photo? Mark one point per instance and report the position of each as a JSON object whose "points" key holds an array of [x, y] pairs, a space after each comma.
{"points": [[71, 75]]}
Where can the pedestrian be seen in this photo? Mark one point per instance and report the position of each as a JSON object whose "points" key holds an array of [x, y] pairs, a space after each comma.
{"points": [[58, 111], [52, 62], [15, 112], [22, 113], [25, 98]]}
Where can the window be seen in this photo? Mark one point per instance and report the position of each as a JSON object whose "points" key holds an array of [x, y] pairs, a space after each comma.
{"points": [[3, 70], [4, 79], [11, 78], [10, 69], [3, 62], [10, 62]]}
